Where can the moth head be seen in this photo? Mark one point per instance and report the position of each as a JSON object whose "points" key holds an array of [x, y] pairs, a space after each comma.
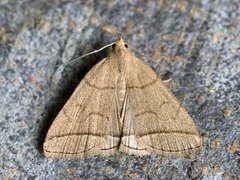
{"points": [[119, 46]]}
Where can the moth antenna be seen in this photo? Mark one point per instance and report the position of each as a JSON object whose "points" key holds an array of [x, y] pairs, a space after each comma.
{"points": [[88, 54], [141, 54]]}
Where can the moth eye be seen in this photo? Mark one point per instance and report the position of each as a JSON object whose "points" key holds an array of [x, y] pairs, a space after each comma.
{"points": [[126, 46], [113, 46]]}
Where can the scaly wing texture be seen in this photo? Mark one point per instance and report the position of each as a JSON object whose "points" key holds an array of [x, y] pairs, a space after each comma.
{"points": [[87, 123], [155, 120]]}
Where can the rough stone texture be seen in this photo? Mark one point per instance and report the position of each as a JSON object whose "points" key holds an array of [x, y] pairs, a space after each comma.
{"points": [[198, 41]]}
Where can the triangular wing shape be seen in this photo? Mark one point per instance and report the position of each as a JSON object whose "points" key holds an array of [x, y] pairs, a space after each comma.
{"points": [[159, 123], [121, 104], [87, 123]]}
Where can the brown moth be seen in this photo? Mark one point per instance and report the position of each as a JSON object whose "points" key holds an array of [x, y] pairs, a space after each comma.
{"points": [[121, 105]]}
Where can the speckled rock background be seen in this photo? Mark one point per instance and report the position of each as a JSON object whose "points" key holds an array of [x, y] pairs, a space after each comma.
{"points": [[197, 41]]}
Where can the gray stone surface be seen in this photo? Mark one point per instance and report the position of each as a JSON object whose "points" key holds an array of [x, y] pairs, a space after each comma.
{"points": [[199, 42]]}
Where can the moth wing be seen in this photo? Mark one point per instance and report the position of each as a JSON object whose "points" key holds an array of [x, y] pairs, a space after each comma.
{"points": [[155, 121], [86, 125]]}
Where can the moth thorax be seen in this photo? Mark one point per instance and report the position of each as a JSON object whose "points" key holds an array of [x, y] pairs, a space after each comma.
{"points": [[121, 92]]}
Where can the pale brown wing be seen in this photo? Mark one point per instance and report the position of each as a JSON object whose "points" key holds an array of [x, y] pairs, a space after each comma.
{"points": [[87, 123], [157, 123]]}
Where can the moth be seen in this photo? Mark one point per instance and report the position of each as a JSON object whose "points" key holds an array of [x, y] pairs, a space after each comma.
{"points": [[121, 105]]}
